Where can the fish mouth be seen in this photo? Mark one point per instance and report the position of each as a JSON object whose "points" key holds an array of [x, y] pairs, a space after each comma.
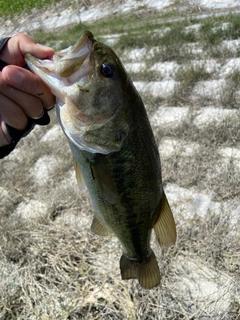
{"points": [[70, 75], [66, 66], [65, 74]]}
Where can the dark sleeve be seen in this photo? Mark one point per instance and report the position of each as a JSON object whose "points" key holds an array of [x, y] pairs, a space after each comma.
{"points": [[3, 41]]}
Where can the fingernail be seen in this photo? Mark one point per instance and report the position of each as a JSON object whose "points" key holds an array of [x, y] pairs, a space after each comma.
{"points": [[36, 118], [15, 76], [43, 120]]}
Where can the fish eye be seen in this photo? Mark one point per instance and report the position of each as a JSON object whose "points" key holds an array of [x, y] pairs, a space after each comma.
{"points": [[107, 70]]}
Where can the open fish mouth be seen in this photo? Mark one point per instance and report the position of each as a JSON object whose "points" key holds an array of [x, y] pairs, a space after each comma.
{"points": [[81, 80], [67, 74], [66, 66]]}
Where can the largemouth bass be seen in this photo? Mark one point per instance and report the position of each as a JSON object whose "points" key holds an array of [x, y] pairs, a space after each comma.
{"points": [[114, 151]]}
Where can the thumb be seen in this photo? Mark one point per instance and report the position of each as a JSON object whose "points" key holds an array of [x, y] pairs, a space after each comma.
{"points": [[36, 49], [20, 44]]}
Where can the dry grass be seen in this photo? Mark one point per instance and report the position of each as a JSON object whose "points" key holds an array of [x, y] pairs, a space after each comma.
{"points": [[187, 77]]}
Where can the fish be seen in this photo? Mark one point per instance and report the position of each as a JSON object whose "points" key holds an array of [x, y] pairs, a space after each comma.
{"points": [[114, 150]]}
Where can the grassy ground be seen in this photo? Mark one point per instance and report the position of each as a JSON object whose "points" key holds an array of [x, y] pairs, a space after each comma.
{"points": [[12, 9], [52, 267]]}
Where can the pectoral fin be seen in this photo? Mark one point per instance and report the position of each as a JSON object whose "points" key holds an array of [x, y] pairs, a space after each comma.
{"points": [[104, 180], [147, 272], [99, 228], [79, 176], [165, 228]]}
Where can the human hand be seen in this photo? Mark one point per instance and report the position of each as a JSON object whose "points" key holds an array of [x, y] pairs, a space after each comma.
{"points": [[22, 94]]}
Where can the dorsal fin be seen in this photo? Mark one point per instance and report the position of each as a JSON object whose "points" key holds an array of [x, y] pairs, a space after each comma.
{"points": [[165, 228], [104, 179], [99, 228], [79, 175]]}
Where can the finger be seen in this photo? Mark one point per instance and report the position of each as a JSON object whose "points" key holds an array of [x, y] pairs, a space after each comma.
{"points": [[30, 84], [28, 45], [30, 105], [20, 44], [12, 114]]}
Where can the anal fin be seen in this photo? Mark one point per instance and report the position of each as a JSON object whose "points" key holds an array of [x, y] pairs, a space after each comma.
{"points": [[147, 272], [165, 228], [99, 228]]}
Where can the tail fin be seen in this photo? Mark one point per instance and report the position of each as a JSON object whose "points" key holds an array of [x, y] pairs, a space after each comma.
{"points": [[147, 272]]}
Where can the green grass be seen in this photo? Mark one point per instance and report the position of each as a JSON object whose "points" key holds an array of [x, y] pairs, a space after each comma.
{"points": [[12, 9]]}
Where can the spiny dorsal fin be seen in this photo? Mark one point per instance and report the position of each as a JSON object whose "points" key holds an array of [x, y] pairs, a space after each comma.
{"points": [[99, 228], [165, 228], [104, 179], [79, 176], [147, 271]]}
